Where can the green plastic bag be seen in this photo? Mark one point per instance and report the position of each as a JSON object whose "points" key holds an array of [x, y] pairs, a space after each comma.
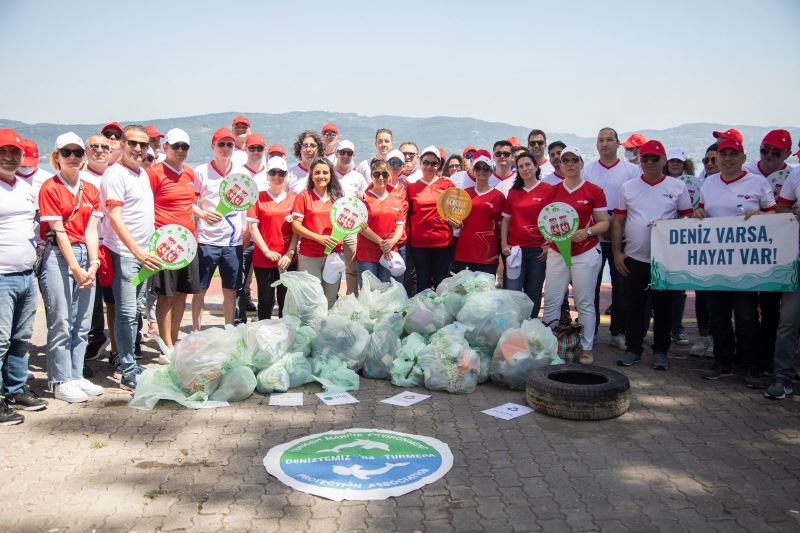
{"points": [[304, 336], [304, 298], [156, 384], [427, 313], [450, 364], [236, 385], [380, 353], [522, 349], [463, 283], [290, 371], [406, 370], [341, 338], [487, 315], [200, 359], [268, 340], [380, 298], [332, 373]]}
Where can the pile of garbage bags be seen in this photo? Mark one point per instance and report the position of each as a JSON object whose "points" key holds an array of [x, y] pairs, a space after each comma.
{"points": [[450, 339]]}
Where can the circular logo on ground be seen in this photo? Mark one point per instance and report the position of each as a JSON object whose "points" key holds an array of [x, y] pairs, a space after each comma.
{"points": [[359, 464], [558, 221]]}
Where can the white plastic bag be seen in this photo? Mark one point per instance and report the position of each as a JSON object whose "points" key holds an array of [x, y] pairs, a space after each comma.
{"points": [[488, 314], [522, 349], [341, 338], [304, 298], [427, 313], [451, 364]]}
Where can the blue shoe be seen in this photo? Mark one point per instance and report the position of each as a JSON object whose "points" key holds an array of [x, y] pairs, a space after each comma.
{"points": [[778, 390], [129, 382]]}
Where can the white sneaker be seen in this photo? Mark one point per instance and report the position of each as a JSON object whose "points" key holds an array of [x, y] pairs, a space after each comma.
{"points": [[704, 347], [618, 341], [70, 392], [710, 349], [90, 388]]}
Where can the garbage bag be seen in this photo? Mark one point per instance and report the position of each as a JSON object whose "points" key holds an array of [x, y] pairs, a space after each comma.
{"points": [[304, 336], [333, 374], [341, 338], [155, 384], [520, 350], [488, 314], [349, 307], [379, 298], [237, 384], [304, 298], [485, 355], [406, 370], [270, 339], [459, 285], [391, 321], [201, 358], [380, 353], [426, 312], [291, 370], [450, 364]]}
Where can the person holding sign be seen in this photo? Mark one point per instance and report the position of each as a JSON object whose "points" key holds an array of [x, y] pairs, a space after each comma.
{"points": [[655, 196], [312, 223], [270, 221], [520, 227], [128, 225], [431, 234], [734, 192], [575, 213], [385, 223]]}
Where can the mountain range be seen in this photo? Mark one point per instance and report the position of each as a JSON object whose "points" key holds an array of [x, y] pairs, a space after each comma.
{"points": [[451, 133]]}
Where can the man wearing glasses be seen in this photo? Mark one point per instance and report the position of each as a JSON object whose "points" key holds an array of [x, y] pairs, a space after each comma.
{"points": [[127, 226], [537, 143], [155, 142], [219, 238], [241, 129], [411, 170], [113, 132], [330, 140], [503, 166], [352, 183]]}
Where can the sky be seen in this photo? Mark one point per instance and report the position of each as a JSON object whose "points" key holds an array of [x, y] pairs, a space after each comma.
{"points": [[568, 66]]}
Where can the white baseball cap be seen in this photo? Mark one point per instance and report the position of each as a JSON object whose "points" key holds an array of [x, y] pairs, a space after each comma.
{"points": [[346, 145], [333, 269], [396, 266], [177, 135], [514, 262], [277, 162], [68, 138], [677, 153], [431, 150], [395, 154], [572, 150]]}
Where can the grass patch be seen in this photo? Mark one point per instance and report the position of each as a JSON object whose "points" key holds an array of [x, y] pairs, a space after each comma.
{"points": [[155, 493], [98, 443]]}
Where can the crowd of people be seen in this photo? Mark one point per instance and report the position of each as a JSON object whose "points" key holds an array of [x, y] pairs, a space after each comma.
{"points": [[81, 236]]}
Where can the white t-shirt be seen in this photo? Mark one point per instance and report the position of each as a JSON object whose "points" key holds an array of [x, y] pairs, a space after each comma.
{"points": [[610, 179], [363, 169], [259, 177], [239, 157], [129, 188], [776, 179], [352, 182], [720, 199], [504, 185], [790, 192], [413, 177], [642, 203], [553, 178], [546, 168], [35, 179], [228, 231], [463, 180], [296, 179], [89, 176], [17, 211]]}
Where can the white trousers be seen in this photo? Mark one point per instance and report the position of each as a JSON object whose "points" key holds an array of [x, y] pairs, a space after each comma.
{"points": [[583, 274]]}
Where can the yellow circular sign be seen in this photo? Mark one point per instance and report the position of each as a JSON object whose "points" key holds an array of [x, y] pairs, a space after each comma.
{"points": [[455, 204]]}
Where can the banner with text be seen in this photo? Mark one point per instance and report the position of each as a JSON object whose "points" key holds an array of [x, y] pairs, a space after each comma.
{"points": [[725, 253]]}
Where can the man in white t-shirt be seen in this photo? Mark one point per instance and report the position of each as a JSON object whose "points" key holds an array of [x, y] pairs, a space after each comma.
{"points": [[352, 183], [383, 145], [241, 129], [128, 224], [537, 143], [554, 155], [219, 238], [330, 141], [653, 196], [609, 173], [411, 170], [503, 166]]}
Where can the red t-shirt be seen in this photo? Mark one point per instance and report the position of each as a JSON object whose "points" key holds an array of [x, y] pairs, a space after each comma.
{"points": [[384, 216], [274, 217], [428, 229], [400, 191], [173, 195], [524, 207], [316, 217], [478, 242], [586, 199], [56, 202]]}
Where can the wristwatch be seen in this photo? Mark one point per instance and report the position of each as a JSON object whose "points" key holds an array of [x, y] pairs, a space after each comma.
{"points": [[589, 232]]}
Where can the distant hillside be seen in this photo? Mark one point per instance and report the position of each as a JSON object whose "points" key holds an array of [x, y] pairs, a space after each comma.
{"points": [[453, 134]]}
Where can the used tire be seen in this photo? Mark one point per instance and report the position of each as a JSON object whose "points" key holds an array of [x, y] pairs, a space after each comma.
{"points": [[578, 392]]}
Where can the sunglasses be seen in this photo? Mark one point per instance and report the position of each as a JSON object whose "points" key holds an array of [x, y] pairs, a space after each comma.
{"points": [[180, 146], [347, 153], [306, 146], [115, 135], [482, 168], [536, 143], [100, 147], [141, 144], [380, 174], [469, 155], [276, 172], [225, 144], [769, 151], [498, 155], [255, 149], [330, 134], [77, 152], [570, 160], [150, 158], [395, 163], [410, 155], [707, 160], [430, 163], [454, 166], [650, 158]]}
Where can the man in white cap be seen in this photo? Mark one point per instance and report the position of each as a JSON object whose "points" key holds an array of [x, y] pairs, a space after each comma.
{"points": [[352, 183]]}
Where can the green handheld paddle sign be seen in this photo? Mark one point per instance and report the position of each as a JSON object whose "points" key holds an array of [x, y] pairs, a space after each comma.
{"points": [[558, 222], [174, 245], [347, 217], [237, 192]]}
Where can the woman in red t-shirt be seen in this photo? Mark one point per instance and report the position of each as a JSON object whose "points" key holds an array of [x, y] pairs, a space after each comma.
{"points": [[590, 203], [431, 235], [385, 223], [521, 228], [68, 209], [312, 223], [270, 221]]}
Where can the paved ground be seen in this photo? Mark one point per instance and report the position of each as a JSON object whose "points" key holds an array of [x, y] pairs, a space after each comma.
{"points": [[689, 455]]}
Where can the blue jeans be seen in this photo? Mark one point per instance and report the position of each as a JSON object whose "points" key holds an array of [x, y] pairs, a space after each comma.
{"points": [[69, 314], [17, 309], [786, 341], [381, 272], [531, 277], [129, 298]]}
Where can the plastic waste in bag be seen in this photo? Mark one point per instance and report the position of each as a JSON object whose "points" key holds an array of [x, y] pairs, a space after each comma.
{"points": [[485, 355], [341, 338], [270, 339], [291, 370], [451, 364], [350, 308], [304, 336], [155, 384], [379, 298], [406, 370], [459, 285], [522, 349], [427, 312], [488, 314], [333, 374], [304, 298], [236, 385], [200, 359], [380, 353]]}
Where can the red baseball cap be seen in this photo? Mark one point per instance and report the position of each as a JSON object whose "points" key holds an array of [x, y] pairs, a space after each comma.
{"points": [[653, 147], [241, 119], [729, 142], [780, 139], [330, 127], [30, 156], [513, 140], [111, 126], [468, 149], [152, 132], [729, 133], [276, 149], [222, 133], [254, 139], [637, 140], [9, 137]]}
